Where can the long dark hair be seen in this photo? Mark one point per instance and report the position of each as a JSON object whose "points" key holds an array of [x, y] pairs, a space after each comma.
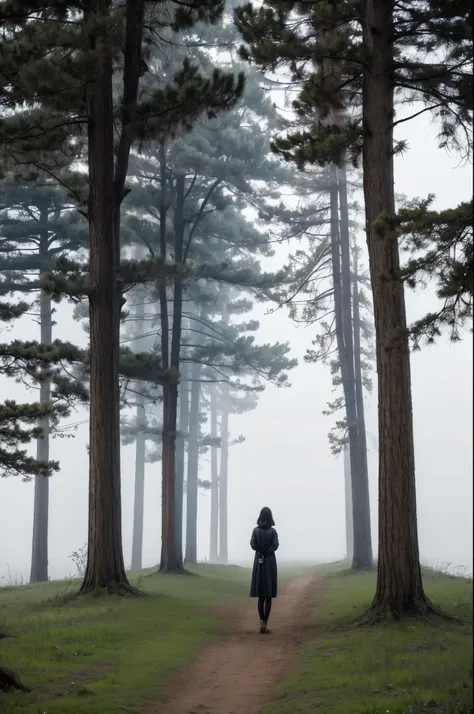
{"points": [[265, 519]]}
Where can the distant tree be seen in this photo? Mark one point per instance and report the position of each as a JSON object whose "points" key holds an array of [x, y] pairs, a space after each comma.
{"points": [[185, 186], [324, 289], [37, 226], [136, 430], [20, 424], [237, 401]]}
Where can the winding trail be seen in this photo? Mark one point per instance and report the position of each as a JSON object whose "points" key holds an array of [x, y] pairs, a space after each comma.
{"points": [[237, 675]]}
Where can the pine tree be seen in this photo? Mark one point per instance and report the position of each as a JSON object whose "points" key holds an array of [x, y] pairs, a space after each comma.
{"points": [[350, 73], [322, 290], [37, 226], [440, 245], [236, 370], [63, 93], [20, 424], [186, 185]]}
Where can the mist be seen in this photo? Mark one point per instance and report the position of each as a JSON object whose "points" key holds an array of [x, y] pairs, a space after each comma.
{"points": [[285, 460]]}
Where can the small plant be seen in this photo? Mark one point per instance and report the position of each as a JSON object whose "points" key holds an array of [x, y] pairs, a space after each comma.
{"points": [[79, 558]]}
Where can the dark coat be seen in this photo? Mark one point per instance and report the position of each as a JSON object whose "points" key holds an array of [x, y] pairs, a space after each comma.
{"points": [[264, 542]]}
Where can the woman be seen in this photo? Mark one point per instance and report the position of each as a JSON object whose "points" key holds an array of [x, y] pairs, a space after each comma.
{"points": [[264, 542]]}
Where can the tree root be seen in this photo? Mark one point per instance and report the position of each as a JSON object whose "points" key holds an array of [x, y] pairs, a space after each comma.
{"points": [[173, 571], [425, 611], [9, 680], [118, 589]]}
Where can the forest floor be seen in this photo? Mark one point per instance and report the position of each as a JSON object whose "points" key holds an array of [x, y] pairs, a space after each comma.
{"points": [[192, 647]]}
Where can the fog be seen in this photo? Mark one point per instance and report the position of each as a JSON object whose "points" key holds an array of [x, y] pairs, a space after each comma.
{"points": [[285, 461]]}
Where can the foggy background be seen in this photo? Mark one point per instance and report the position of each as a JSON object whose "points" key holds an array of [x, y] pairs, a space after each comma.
{"points": [[285, 461]]}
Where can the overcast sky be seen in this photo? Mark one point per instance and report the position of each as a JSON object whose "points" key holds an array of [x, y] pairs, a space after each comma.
{"points": [[285, 462]]}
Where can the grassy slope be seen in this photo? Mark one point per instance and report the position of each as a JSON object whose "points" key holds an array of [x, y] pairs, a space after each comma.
{"points": [[109, 654], [403, 668]]}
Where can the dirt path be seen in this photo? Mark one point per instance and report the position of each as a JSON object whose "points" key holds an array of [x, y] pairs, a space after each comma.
{"points": [[238, 675]]}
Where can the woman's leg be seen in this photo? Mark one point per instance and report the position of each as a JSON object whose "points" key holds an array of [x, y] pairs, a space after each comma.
{"points": [[261, 608], [267, 608]]}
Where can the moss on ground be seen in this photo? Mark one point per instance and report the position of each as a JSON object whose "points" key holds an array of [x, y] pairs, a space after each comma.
{"points": [[397, 668]]}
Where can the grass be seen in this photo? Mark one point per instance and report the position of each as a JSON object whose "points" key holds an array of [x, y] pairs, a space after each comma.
{"points": [[112, 654], [109, 654], [404, 668]]}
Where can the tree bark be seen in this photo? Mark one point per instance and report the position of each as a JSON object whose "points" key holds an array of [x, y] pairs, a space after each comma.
{"points": [[348, 505], [39, 551], [105, 565], [193, 467], [214, 533], [362, 540], [341, 314], [180, 456], [223, 476], [359, 385], [399, 583], [9, 680], [171, 560], [139, 496], [141, 422]]}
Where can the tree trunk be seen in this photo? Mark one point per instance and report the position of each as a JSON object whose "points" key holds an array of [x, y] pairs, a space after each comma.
{"points": [[39, 551], [213, 549], [348, 505], [137, 539], [39, 557], [9, 680], [362, 543], [193, 467], [105, 565], [141, 422], [180, 454], [359, 385], [171, 560], [223, 476], [399, 584], [343, 313]]}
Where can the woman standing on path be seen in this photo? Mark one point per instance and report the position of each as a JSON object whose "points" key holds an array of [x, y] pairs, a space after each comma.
{"points": [[264, 542]]}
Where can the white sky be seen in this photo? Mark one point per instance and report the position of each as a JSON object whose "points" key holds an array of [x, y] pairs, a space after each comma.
{"points": [[285, 462]]}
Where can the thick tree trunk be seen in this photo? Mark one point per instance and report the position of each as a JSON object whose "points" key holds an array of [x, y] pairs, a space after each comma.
{"points": [[105, 565], [399, 584], [362, 543], [193, 467], [171, 560], [9, 680], [39, 551], [223, 477], [139, 496], [180, 456], [214, 534], [348, 505]]}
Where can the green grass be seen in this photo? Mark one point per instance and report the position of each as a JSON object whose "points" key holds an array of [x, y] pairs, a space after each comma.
{"points": [[404, 668], [109, 654]]}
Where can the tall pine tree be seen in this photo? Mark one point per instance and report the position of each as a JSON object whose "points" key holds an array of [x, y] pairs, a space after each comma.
{"points": [[350, 70], [67, 105]]}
